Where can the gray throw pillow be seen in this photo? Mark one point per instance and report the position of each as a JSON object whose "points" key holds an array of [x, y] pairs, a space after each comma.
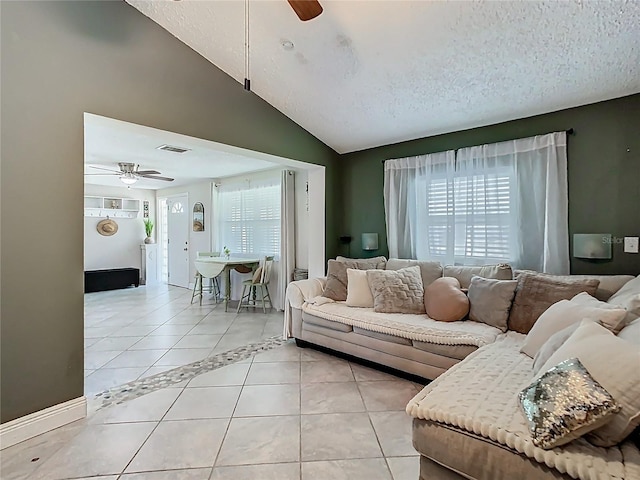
{"points": [[491, 300], [335, 287], [536, 293], [397, 291], [430, 271], [464, 273], [364, 263]]}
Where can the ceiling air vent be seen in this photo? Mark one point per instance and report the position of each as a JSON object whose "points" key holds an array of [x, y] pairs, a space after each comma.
{"points": [[173, 148]]}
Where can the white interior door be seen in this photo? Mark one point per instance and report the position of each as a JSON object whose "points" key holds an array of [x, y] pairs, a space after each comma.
{"points": [[178, 240]]}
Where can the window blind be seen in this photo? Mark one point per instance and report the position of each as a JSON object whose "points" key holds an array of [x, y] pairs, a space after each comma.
{"points": [[250, 220], [469, 216]]}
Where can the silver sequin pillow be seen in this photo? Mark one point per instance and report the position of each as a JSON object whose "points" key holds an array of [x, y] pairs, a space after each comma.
{"points": [[397, 291], [564, 404]]}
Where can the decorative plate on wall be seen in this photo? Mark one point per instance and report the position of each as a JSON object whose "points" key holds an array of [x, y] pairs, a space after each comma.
{"points": [[198, 217]]}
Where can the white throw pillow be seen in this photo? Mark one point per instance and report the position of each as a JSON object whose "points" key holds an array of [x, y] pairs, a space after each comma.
{"points": [[628, 297], [631, 333], [564, 313], [613, 363], [358, 291]]}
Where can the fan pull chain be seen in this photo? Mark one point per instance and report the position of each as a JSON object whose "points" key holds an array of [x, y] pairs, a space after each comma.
{"points": [[247, 81]]}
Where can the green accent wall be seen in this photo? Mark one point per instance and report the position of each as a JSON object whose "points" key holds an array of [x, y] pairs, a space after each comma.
{"points": [[60, 59], [603, 175]]}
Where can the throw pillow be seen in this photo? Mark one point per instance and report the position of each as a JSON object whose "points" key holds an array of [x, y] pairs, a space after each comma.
{"points": [[564, 404], [430, 271], [566, 312], [631, 333], [613, 363], [491, 300], [536, 293], [397, 291], [464, 273], [628, 297], [551, 346], [444, 301], [364, 263], [358, 291], [335, 287]]}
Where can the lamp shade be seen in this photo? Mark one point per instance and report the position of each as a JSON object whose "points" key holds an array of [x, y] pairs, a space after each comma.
{"points": [[592, 245], [369, 241]]}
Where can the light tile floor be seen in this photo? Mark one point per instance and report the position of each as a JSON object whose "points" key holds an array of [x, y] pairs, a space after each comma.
{"points": [[138, 332], [285, 414]]}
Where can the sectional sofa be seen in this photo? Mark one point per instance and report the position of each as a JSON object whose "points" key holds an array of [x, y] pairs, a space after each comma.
{"points": [[466, 423]]}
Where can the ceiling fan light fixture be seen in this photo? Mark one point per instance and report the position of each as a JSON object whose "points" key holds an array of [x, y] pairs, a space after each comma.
{"points": [[128, 179]]}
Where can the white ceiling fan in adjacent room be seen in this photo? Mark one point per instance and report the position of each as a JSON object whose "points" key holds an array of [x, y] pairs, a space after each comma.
{"points": [[130, 173]]}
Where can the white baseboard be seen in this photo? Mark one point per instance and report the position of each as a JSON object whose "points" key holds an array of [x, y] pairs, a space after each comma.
{"points": [[42, 421]]}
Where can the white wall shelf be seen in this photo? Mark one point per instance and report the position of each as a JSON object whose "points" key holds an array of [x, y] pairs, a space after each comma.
{"points": [[111, 207]]}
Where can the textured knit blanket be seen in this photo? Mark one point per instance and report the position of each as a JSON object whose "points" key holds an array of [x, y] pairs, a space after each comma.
{"points": [[406, 325], [485, 387]]}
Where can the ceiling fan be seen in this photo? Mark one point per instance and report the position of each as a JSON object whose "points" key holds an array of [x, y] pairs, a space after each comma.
{"points": [[306, 9], [129, 173]]}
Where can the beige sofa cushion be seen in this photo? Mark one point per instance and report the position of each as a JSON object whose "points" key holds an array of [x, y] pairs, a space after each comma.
{"points": [[631, 333], [613, 363], [491, 300], [335, 287], [551, 346], [382, 336], [464, 273], [377, 263], [537, 292], [358, 291], [444, 301], [428, 270], [566, 312], [397, 291]]}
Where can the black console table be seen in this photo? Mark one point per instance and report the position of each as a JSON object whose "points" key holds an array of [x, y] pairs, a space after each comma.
{"points": [[110, 279]]}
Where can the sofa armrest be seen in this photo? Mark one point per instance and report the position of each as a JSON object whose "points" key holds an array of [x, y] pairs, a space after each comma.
{"points": [[302, 290], [297, 293]]}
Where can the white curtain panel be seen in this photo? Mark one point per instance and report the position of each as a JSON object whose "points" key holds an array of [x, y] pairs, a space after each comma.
{"points": [[501, 202], [405, 201], [287, 235]]}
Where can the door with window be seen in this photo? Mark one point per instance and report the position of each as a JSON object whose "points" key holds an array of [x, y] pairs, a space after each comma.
{"points": [[178, 240]]}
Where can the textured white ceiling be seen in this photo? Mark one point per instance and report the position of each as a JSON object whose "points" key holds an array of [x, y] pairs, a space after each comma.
{"points": [[108, 141], [369, 73]]}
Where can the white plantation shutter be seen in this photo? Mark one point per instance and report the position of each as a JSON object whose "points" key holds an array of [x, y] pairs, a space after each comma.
{"points": [[500, 202], [250, 219]]}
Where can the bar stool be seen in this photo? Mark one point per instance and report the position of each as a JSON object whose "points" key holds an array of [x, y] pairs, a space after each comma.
{"points": [[260, 279]]}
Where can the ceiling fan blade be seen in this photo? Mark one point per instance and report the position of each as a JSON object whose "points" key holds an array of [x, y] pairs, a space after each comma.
{"points": [[153, 177], [105, 174], [102, 168], [147, 172], [306, 9]]}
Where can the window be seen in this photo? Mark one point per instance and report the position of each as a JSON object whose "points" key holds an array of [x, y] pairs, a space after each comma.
{"points": [[250, 220], [468, 217]]}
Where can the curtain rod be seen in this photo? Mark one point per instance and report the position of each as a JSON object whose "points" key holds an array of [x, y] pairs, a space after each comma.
{"points": [[570, 131]]}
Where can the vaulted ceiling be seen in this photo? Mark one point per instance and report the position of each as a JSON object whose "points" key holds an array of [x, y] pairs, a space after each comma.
{"points": [[370, 73]]}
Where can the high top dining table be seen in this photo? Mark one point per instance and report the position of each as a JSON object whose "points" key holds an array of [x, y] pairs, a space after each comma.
{"points": [[231, 263]]}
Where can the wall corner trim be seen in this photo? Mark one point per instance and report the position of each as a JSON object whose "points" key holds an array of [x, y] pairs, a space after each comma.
{"points": [[42, 421]]}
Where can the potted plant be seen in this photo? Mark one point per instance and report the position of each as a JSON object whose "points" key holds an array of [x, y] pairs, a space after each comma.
{"points": [[148, 228], [226, 252]]}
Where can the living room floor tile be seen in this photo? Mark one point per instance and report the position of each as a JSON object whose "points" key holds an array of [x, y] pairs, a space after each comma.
{"points": [[394, 433], [387, 395], [113, 343], [234, 374], [366, 374], [95, 360], [136, 358], [198, 341], [170, 330], [182, 356], [134, 331], [191, 474], [261, 440], [404, 468], [273, 373], [276, 471], [263, 400], [204, 402], [147, 408], [287, 353], [323, 372], [338, 436], [155, 342], [180, 444], [105, 378], [97, 450], [360, 469], [330, 398]]}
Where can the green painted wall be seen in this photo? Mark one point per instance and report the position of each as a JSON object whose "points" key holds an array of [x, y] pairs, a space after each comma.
{"points": [[60, 59], [603, 164]]}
